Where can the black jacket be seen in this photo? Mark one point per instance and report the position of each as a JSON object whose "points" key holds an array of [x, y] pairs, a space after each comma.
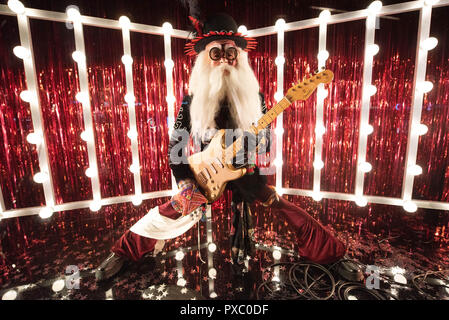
{"points": [[243, 188]]}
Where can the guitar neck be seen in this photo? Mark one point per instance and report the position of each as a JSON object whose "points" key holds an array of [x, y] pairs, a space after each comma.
{"points": [[300, 91], [271, 115], [263, 122]]}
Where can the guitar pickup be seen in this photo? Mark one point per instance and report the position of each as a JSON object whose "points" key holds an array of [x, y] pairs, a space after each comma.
{"points": [[202, 178], [206, 173], [212, 166], [217, 161]]}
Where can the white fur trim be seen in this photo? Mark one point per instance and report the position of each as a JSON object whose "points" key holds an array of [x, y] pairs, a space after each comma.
{"points": [[156, 226]]}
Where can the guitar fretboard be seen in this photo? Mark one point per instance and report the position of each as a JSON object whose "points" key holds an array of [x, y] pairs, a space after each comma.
{"points": [[271, 115], [263, 122]]}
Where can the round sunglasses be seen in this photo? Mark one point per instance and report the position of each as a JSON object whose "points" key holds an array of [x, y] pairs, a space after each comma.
{"points": [[230, 53]]}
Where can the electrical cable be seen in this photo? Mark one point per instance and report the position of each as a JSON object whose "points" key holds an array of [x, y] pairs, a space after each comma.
{"points": [[344, 294], [307, 287], [308, 280], [199, 244], [428, 283]]}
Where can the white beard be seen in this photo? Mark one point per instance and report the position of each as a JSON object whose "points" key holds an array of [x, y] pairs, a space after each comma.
{"points": [[209, 86]]}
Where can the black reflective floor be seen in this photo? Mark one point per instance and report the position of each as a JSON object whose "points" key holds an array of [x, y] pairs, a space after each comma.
{"points": [[402, 257]]}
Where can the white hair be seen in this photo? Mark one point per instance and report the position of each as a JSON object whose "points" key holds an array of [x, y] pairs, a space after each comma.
{"points": [[209, 86]]}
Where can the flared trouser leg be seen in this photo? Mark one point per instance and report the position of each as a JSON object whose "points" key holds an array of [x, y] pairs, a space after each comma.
{"points": [[133, 246], [315, 243]]}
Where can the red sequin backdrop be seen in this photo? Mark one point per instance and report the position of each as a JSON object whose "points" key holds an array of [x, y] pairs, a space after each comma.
{"points": [[389, 115]]}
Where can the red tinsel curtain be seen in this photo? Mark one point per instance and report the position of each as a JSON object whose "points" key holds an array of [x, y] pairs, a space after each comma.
{"points": [[389, 115]]}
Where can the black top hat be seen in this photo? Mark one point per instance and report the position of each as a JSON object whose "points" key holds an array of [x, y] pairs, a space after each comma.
{"points": [[218, 27]]}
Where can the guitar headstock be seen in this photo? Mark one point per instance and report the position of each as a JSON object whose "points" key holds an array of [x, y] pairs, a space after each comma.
{"points": [[304, 89]]}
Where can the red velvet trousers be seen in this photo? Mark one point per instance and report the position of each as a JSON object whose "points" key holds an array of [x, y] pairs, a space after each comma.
{"points": [[315, 243]]}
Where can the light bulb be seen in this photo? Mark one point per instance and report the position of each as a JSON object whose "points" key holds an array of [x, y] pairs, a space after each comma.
{"points": [[278, 162], [243, 30], [277, 254], [375, 7], [79, 57], [21, 52], [324, 15], [58, 285], [320, 130], [181, 282], [351, 297], [421, 129], [45, 212], [130, 98], [167, 28], [399, 278], [40, 177], [73, 14], [279, 190], [174, 191], [279, 131], [372, 49], [124, 22], [169, 64], [127, 60], [95, 205], [213, 295], [279, 61], [426, 86], [10, 295], [410, 206], [86, 136], [35, 138], [370, 90], [212, 247], [134, 168], [278, 96], [415, 170], [16, 6], [90, 172], [280, 25], [132, 134], [171, 99], [365, 166], [367, 129], [429, 43], [322, 94], [26, 95], [137, 200], [361, 201], [82, 97], [318, 164], [317, 196], [212, 273], [179, 255], [397, 270], [323, 55]]}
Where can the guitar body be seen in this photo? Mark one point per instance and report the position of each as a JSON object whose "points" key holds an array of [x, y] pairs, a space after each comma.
{"points": [[211, 170]]}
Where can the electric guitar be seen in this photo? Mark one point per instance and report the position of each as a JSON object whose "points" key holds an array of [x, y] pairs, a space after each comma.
{"points": [[212, 168]]}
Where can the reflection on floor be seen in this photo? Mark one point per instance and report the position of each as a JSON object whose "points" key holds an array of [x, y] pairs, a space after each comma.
{"points": [[405, 257]]}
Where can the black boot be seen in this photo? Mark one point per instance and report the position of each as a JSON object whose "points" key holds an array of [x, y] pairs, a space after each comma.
{"points": [[110, 267]]}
